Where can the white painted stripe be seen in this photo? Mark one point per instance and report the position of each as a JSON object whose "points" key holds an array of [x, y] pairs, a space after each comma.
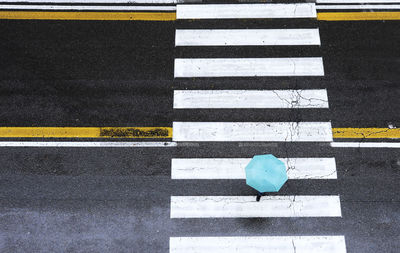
{"points": [[87, 7], [247, 37], [96, 1], [252, 131], [234, 168], [251, 67], [377, 6], [248, 207], [258, 244], [356, 1], [365, 144], [193, 99], [67, 144], [234, 11]]}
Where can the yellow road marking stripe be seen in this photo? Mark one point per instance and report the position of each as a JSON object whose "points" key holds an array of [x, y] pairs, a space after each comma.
{"points": [[62, 15], [85, 132], [366, 133], [160, 132], [354, 16]]}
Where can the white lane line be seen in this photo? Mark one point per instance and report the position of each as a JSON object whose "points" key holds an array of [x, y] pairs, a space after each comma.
{"points": [[96, 1], [248, 207], [377, 6], [252, 131], [234, 11], [85, 8], [67, 144], [258, 244], [365, 144], [247, 37], [356, 1], [234, 168], [290, 99], [248, 67]]}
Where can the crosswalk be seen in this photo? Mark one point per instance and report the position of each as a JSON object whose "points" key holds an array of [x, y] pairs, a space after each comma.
{"points": [[259, 244], [214, 99], [246, 37], [252, 131], [234, 168], [236, 11], [223, 168], [233, 67]]}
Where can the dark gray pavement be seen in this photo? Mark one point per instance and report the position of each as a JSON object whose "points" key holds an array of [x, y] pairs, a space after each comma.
{"points": [[59, 73], [117, 200], [121, 74]]}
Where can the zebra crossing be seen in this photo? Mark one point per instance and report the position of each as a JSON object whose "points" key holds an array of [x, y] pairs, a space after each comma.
{"points": [[261, 244], [234, 168], [207, 168]]}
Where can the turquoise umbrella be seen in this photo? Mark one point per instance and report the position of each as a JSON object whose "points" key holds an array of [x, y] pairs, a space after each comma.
{"points": [[266, 173]]}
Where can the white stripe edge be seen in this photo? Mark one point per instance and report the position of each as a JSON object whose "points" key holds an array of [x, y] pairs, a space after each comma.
{"points": [[258, 244], [87, 144], [248, 207]]}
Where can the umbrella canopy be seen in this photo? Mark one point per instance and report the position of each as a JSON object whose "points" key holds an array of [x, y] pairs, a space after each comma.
{"points": [[266, 173]]}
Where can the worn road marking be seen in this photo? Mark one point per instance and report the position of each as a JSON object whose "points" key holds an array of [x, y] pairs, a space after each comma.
{"points": [[252, 131], [85, 132], [349, 7], [83, 144], [236, 11], [234, 168], [365, 145], [248, 67], [194, 99], [258, 244], [378, 133], [248, 207], [356, 1], [358, 16], [247, 37], [67, 15]]}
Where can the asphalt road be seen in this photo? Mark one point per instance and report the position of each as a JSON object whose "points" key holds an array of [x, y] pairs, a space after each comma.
{"points": [[57, 73]]}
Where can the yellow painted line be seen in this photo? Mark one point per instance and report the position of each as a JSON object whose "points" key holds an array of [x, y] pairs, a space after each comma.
{"points": [[160, 132], [81, 15], [85, 132], [358, 16], [378, 133]]}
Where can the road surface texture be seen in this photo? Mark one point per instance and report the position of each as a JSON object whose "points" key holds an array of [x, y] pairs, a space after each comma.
{"points": [[321, 95]]}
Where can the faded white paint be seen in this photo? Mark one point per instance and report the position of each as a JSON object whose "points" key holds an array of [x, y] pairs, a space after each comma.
{"points": [[258, 244], [248, 207], [86, 144], [247, 37], [356, 1], [235, 11], [234, 168], [248, 67], [207, 99], [349, 7], [365, 144], [252, 131]]}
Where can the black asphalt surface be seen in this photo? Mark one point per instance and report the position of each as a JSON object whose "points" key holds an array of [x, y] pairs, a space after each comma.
{"points": [[69, 73]]}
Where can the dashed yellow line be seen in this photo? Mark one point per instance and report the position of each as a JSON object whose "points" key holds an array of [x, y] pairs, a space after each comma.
{"points": [[81, 15], [85, 132], [378, 133], [358, 16]]}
